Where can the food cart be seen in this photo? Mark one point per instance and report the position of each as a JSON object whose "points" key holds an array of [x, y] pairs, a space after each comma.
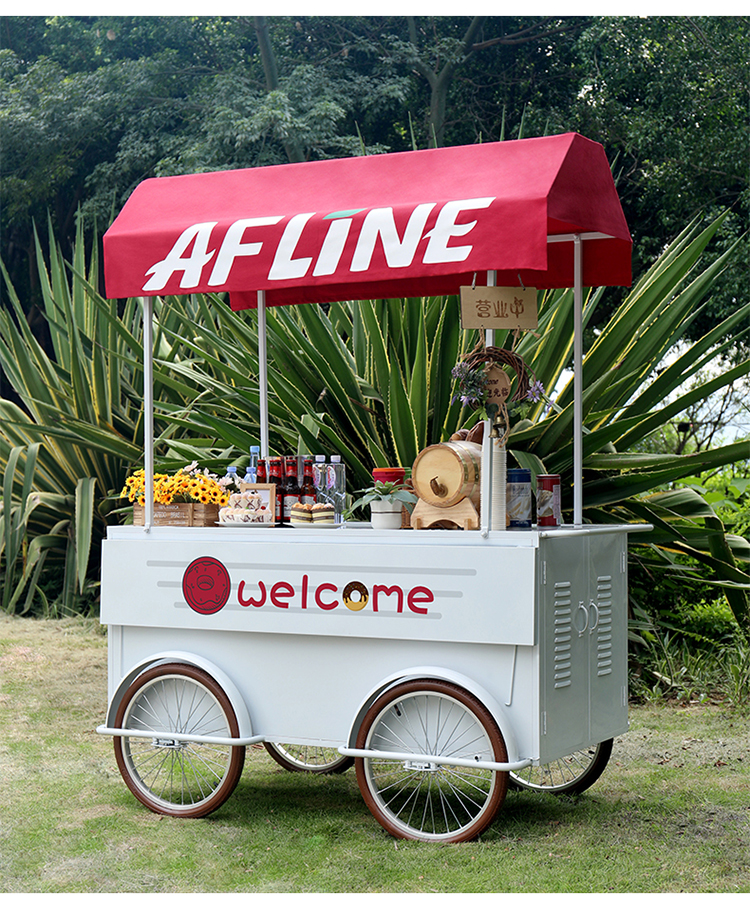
{"points": [[446, 664]]}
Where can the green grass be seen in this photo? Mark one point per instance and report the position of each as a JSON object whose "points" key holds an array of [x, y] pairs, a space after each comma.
{"points": [[670, 814]]}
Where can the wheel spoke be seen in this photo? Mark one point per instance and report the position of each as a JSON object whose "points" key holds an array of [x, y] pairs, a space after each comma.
{"points": [[570, 774]]}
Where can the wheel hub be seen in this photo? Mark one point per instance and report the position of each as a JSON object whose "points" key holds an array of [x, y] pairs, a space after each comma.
{"points": [[414, 766], [168, 744]]}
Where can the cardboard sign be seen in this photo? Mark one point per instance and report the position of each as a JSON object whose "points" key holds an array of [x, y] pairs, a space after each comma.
{"points": [[498, 308]]}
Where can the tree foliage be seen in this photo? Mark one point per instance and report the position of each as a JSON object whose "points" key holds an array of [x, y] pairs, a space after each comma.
{"points": [[90, 106]]}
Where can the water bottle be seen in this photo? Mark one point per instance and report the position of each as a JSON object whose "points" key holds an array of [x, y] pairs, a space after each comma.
{"points": [[251, 475], [336, 485], [230, 479], [320, 479]]}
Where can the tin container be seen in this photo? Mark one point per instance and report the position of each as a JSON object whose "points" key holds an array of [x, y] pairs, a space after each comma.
{"points": [[518, 498], [548, 513]]}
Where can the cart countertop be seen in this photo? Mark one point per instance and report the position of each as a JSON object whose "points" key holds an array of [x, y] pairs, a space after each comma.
{"points": [[362, 532]]}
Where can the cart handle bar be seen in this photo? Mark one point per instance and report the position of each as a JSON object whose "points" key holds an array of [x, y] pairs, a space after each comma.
{"points": [[345, 751], [438, 760], [186, 738]]}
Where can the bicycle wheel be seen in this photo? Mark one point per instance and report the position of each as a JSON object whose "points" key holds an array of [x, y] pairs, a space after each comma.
{"points": [[296, 757], [572, 774], [423, 800], [171, 776]]}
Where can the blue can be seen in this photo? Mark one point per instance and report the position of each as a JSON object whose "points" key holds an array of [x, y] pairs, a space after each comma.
{"points": [[518, 497]]}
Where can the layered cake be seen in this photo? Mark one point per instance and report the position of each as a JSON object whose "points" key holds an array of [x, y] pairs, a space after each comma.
{"points": [[301, 514], [246, 508], [323, 514]]}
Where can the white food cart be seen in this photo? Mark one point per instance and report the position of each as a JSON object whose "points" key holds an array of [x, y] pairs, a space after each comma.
{"points": [[446, 664]]}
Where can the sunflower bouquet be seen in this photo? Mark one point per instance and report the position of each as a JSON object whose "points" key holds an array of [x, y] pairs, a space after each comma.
{"points": [[188, 485]]}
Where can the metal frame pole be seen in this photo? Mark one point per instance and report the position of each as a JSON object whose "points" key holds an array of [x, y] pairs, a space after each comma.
{"points": [[263, 374], [148, 410], [485, 492], [578, 381]]}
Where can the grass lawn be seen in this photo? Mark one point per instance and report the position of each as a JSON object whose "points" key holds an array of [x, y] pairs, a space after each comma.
{"points": [[670, 814]]}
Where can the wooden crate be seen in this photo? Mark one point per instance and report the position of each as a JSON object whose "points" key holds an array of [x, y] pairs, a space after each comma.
{"points": [[186, 515]]}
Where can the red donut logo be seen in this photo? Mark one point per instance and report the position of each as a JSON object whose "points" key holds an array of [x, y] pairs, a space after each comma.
{"points": [[206, 585]]}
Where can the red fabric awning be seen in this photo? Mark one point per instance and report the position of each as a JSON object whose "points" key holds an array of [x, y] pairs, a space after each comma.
{"points": [[396, 225]]}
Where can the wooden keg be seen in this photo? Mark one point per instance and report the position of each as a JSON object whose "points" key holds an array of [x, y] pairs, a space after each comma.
{"points": [[446, 473]]}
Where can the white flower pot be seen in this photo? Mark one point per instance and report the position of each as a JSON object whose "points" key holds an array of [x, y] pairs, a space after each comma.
{"points": [[384, 514]]}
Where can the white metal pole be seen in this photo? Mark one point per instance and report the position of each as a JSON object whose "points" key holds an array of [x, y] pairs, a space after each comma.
{"points": [[485, 492], [262, 374], [578, 381], [148, 409]]}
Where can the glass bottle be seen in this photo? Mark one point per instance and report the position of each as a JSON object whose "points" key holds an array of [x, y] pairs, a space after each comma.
{"points": [[292, 492], [276, 476], [337, 487], [260, 475], [308, 485], [320, 479]]}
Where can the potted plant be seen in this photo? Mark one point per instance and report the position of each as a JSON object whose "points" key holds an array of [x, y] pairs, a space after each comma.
{"points": [[385, 499]]}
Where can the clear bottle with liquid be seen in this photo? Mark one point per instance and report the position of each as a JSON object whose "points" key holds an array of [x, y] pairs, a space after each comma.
{"points": [[230, 481], [336, 486], [320, 479], [251, 473]]}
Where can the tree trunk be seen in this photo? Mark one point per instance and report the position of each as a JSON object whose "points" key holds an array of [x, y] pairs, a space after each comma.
{"points": [[291, 146]]}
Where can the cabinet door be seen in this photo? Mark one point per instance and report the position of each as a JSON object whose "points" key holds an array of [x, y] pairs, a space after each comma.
{"points": [[565, 647], [583, 637], [608, 636]]}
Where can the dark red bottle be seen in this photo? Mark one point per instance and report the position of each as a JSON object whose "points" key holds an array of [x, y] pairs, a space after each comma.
{"points": [[261, 476], [276, 477], [308, 484], [292, 492]]}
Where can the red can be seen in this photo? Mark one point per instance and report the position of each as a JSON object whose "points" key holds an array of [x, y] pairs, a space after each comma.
{"points": [[548, 512]]}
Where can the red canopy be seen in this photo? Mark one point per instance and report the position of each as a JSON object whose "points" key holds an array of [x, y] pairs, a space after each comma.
{"points": [[397, 225]]}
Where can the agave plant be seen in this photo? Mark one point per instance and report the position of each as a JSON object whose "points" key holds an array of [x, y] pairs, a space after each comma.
{"points": [[372, 380], [81, 413]]}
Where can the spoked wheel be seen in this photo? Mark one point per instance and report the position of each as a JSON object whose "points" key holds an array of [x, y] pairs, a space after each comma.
{"points": [[424, 800], [296, 757], [572, 774], [171, 776]]}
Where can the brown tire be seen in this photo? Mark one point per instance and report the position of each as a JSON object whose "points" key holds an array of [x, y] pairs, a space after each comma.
{"points": [[170, 776], [422, 800], [295, 757]]}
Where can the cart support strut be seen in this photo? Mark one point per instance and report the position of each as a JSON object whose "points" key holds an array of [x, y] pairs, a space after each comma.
{"points": [[437, 760], [179, 737]]}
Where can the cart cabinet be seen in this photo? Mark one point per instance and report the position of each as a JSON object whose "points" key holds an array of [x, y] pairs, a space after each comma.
{"points": [[305, 635]]}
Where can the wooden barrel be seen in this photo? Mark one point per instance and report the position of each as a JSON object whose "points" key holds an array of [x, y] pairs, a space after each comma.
{"points": [[446, 473]]}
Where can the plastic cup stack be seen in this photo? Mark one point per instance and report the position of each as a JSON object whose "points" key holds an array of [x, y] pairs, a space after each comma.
{"points": [[499, 473]]}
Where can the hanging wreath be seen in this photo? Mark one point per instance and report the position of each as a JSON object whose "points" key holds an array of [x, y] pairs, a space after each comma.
{"points": [[479, 387]]}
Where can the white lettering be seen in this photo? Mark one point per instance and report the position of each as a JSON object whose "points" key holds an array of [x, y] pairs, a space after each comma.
{"points": [[233, 247], [191, 266], [283, 264], [398, 253], [333, 246], [438, 250]]}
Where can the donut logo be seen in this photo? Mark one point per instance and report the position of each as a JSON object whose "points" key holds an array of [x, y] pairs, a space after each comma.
{"points": [[206, 585], [355, 596]]}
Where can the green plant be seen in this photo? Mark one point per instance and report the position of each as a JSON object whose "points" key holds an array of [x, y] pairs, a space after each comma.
{"points": [[24, 553], [387, 492], [371, 380]]}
